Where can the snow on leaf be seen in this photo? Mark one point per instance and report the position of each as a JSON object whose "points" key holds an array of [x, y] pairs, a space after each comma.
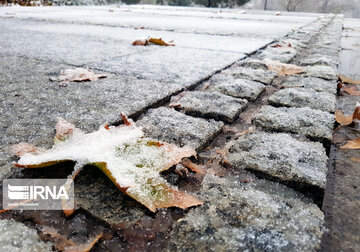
{"points": [[352, 144], [78, 75], [282, 69], [347, 120], [154, 41], [131, 161], [348, 80]]}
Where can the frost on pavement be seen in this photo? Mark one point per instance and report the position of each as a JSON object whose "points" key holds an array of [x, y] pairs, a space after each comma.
{"points": [[131, 161], [256, 216], [16, 237]]}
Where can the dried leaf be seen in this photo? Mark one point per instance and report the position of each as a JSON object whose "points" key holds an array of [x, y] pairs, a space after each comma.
{"points": [[352, 144], [194, 167], [346, 120], [78, 75], [351, 90], [342, 119], [133, 163], [282, 69], [139, 28], [355, 159], [155, 41], [84, 247], [23, 148], [140, 42], [160, 42], [348, 80]]}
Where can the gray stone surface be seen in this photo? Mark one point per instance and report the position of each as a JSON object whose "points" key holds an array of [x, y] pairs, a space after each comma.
{"points": [[258, 216], [318, 84], [96, 194], [283, 54], [16, 237], [303, 97], [324, 72], [240, 88], [210, 105], [174, 127], [281, 157], [248, 73], [319, 59], [306, 121], [31, 103]]}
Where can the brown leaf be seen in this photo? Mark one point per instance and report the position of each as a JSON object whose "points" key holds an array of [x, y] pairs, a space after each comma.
{"points": [[78, 75], [346, 120], [355, 159], [282, 69], [194, 167], [352, 144], [85, 247], [22, 148], [139, 28], [352, 90], [348, 80], [160, 42], [140, 42]]}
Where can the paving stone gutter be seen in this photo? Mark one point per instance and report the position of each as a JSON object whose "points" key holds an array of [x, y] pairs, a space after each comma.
{"points": [[267, 141]]}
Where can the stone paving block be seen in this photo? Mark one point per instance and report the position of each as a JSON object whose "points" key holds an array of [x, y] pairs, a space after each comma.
{"points": [[248, 73], [324, 72], [304, 97], [283, 54], [16, 237], [309, 122], [210, 105], [318, 84], [175, 127], [282, 157], [240, 88], [96, 194], [319, 59], [257, 216]]}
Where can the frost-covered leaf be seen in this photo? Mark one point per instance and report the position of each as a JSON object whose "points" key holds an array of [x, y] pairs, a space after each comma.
{"points": [[154, 41], [282, 69], [78, 75], [131, 161]]}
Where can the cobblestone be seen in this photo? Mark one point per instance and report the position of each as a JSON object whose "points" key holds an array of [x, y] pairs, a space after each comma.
{"points": [[318, 84]]}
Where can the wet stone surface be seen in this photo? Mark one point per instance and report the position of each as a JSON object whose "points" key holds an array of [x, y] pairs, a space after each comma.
{"points": [[303, 97], [312, 123], [210, 105], [318, 84], [175, 127], [282, 157], [248, 73], [257, 216], [240, 88], [16, 237]]}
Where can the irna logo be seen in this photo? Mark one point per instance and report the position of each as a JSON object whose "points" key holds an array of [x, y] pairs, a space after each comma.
{"points": [[36, 192]]}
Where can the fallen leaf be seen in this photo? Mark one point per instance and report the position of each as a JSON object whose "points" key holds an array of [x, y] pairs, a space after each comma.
{"points": [[140, 42], [131, 161], [348, 80], [23, 148], [357, 45], [351, 90], [282, 69], [155, 41], [355, 159], [139, 28], [78, 75], [347, 120], [85, 247], [159, 41], [352, 144], [194, 167]]}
